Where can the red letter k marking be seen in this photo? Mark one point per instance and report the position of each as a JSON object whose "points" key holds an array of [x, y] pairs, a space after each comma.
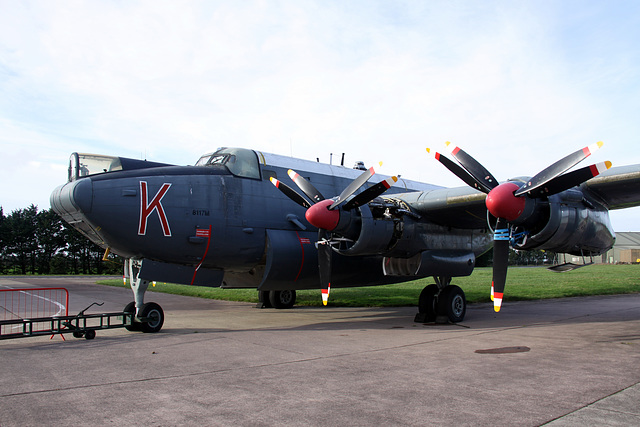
{"points": [[156, 204]]}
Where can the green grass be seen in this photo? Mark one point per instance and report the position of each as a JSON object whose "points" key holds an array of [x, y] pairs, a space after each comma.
{"points": [[523, 283]]}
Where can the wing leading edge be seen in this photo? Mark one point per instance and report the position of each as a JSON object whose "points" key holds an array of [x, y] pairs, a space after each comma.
{"points": [[618, 187]]}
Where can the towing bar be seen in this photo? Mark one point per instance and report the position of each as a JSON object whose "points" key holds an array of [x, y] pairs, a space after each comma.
{"points": [[81, 325]]}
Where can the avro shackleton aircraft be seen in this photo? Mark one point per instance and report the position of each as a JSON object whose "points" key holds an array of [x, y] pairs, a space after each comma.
{"points": [[246, 219]]}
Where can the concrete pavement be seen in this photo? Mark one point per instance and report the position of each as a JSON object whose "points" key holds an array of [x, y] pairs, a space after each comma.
{"points": [[567, 362]]}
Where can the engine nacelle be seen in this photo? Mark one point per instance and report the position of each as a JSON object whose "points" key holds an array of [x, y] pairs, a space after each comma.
{"points": [[573, 225], [388, 227], [375, 235]]}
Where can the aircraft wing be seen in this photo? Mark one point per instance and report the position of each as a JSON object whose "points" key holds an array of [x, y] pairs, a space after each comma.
{"points": [[618, 187], [460, 207]]}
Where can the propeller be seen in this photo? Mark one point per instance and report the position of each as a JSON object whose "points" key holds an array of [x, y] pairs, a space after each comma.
{"points": [[325, 214], [324, 263], [307, 188], [514, 204], [558, 168], [478, 172], [353, 187], [291, 193]]}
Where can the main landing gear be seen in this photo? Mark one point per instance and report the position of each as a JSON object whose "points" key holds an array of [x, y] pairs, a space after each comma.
{"points": [[148, 317], [441, 303], [277, 299]]}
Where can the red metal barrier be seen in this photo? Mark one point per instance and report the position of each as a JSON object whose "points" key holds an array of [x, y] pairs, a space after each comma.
{"points": [[31, 304]]}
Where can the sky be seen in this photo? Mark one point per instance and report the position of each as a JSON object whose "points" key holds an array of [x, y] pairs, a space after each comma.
{"points": [[517, 84]]}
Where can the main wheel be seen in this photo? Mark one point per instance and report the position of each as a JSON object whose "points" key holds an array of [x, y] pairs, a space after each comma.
{"points": [[154, 317], [452, 303], [263, 299], [427, 304], [131, 308], [282, 299]]}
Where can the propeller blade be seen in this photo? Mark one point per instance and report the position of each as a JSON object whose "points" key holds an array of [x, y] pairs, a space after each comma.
{"points": [[353, 187], [558, 168], [500, 262], [459, 172], [571, 179], [291, 193], [370, 193], [307, 188], [482, 176], [324, 264]]}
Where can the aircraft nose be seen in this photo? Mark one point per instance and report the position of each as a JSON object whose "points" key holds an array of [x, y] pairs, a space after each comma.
{"points": [[72, 199]]}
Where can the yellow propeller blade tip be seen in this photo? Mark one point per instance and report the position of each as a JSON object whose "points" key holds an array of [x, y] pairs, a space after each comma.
{"points": [[607, 164], [325, 295], [447, 143]]}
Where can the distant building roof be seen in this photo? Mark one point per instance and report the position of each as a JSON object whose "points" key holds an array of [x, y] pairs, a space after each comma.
{"points": [[627, 240]]}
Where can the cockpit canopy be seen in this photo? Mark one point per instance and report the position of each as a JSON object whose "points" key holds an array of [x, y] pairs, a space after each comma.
{"points": [[239, 161], [83, 164]]}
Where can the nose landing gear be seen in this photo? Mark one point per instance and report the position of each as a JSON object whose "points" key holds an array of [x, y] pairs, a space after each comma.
{"points": [[148, 317]]}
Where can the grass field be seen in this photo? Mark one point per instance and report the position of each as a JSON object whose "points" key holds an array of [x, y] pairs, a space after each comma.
{"points": [[523, 283]]}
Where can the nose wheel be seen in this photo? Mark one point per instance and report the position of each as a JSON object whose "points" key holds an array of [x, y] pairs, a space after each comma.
{"points": [[150, 318]]}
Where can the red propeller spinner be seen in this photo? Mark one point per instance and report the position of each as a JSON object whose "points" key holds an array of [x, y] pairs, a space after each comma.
{"points": [[502, 203], [320, 216]]}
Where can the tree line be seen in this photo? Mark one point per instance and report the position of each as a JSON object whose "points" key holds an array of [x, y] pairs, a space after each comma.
{"points": [[36, 241]]}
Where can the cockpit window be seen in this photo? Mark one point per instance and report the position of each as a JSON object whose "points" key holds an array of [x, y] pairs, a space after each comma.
{"points": [[82, 164], [239, 161]]}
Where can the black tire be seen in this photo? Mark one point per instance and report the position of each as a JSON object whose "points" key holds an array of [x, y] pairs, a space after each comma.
{"points": [[452, 303], [282, 299], [90, 334], [131, 308], [78, 334], [154, 318], [427, 303], [263, 300]]}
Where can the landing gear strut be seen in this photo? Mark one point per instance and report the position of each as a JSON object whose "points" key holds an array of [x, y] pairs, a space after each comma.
{"points": [[441, 302], [148, 317]]}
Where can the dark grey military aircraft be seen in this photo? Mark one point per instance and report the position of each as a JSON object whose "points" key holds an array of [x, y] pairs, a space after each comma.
{"points": [[222, 223]]}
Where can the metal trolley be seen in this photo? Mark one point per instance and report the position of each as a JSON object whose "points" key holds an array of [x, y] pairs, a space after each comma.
{"points": [[44, 311]]}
